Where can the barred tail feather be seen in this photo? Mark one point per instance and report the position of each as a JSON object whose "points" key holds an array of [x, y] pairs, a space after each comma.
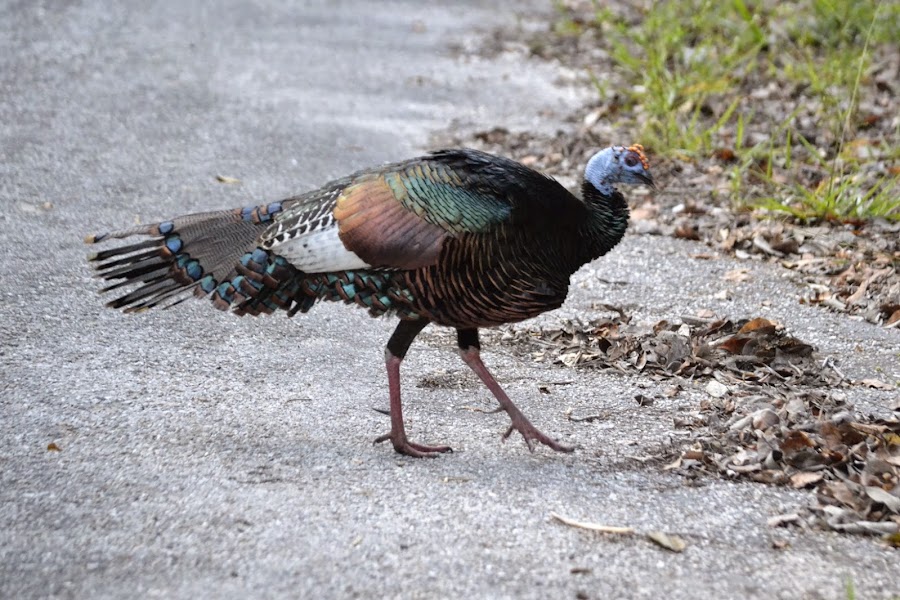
{"points": [[200, 252]]}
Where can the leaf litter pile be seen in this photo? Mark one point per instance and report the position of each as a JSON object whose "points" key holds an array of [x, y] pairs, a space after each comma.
{"points": [[774, 411], [772, 414]]}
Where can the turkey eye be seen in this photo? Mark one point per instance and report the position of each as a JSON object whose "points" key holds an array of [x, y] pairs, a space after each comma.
{"points": [[630, 160]]}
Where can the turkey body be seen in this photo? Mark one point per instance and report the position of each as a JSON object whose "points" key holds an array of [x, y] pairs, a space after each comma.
{"points": [[458, 238]]}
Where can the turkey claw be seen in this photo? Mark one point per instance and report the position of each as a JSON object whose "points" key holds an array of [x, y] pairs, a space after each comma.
{"points": [[404, 446], [530, 434]]}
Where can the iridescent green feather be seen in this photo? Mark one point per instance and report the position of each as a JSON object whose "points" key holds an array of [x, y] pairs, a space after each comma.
{"points": [[434, 192]]}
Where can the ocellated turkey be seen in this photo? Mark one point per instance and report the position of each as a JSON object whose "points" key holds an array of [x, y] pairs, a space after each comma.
{"points": [[459, 238]]}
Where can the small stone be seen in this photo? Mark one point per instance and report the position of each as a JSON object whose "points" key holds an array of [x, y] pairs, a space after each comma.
{"points": [[716, 389]]}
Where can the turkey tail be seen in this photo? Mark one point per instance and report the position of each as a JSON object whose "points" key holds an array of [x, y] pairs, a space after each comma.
{"points": [[202, 252]]}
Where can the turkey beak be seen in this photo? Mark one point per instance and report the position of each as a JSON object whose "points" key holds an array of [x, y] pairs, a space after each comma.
{"points": [[647, 179]]}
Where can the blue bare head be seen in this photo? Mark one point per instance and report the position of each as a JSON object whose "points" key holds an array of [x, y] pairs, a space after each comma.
{"points": [[618, 164]]}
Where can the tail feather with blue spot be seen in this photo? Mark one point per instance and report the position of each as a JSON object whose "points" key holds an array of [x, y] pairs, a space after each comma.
{"points": [[200, 253]]}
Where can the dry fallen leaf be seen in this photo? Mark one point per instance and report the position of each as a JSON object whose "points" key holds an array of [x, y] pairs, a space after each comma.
{"points": [[735, 344], [737, 275], [782, 520], [894, 318], [227, 179], [667, 541], [725, 154], [52, 447], [796, 441], [675, 464], [877, 384], [879, 495], [694, 455], [643, 400], [586, 418], [686, 231], [758, 325], [806, 478], [764, 419]]}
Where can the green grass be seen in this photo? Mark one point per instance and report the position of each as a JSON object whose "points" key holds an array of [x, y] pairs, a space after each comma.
{"points": [[777, 84]]}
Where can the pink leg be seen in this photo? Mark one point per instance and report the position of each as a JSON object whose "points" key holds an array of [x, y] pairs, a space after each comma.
{"points": [[400, 341], [520, 422]]}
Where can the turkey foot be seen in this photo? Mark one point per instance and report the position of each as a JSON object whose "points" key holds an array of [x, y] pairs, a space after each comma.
{"points": [[520, 423], [531, 433], [396, 349], [404, 446]]}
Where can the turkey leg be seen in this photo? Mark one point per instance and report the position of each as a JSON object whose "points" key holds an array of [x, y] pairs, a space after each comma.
{"points": [[470, 351], [396, 349]]}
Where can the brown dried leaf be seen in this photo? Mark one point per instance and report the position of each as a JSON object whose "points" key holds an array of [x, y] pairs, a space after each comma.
{"points": [[643, 400], [763, 244], [735, 344], [675, 464], [587, 418], [725, 155], [869, 428], [714, 327], [772, 476], [805, 479], [694, 455], [667, 541], [851, 435], [831, 434], [879, 495], [792, 345], [796, 441], [737, 275], [787, 246], [686, 231], [877, 384], [759, 326], [840, 491], [782, 520], [894, 318], [764, 419], [893, 460]]}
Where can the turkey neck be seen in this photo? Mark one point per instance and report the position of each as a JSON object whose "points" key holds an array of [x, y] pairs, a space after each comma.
{"points": [[606, 222]]}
